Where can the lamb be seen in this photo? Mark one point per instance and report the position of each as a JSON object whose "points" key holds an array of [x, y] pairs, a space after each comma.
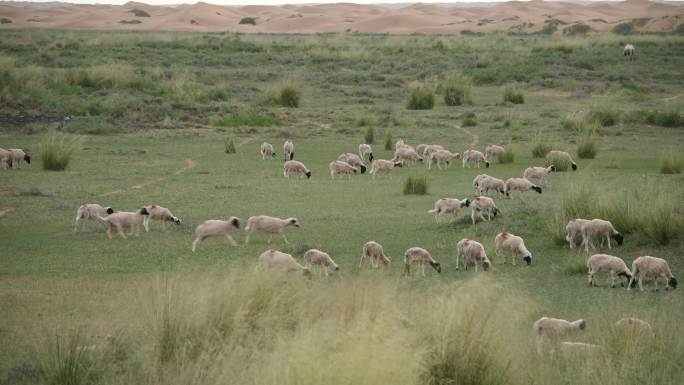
{"points": [[573, 231], [341, 167], [472, 252], [442, 156], [383, 165], [634, 325], [267, 150], [628, 52], [604, 263], [648, 268], [484, 183], [216, 228], [555, 154], [448, 206], [484, 204], [91, 211], [124, 219], [547, 329], [374, 252], [366, 151], [273, 259], [599, 228], [491, 150], [295, 167], [5, 159], [474, 156], [320, 258], [538, 173], [514, 245], [422, 257], [18, 155], [160, 213], [288, 150], [406, 154], [353, 160], [270, 225], [521, 184]]}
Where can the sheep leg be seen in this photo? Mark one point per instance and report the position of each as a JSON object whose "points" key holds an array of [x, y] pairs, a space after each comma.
{"points": [[194, 243], [457, 255], [641, 286], [285, 238], [121, 232], [231, 240], [361, 261], [76, 224], [270, 237], [163, 225], [146, 223], [608, 239], [612, 279], [472, 215], [655, 283], [109, 231], [247, 238], [422, 266], [512, 258], [591, 278]]}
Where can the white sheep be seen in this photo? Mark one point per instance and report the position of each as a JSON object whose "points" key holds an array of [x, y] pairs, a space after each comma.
{"points": [[474, 156], [216, 228], [406, 154], [648, 268], [635, 326], [124, 220], [484, 183], [555, 154], [375, 253], [599, 228], [482, 204], [269, 225], [366, 151], [295, 167], [539, 173], [521, 184], [319, 258], [448, 206], [353, 160], [5, 159], [491, 150], [341, 167], [288, 149], [273, 259], [604, 263], [573, 231], [267, 151], [442, 157], [18, 155], [422, 257], [429, 149], [548, 329], [159, 213], [512, 244], [91, 211], [400, 143], [472, 253], [629, 52], [383, 165]]}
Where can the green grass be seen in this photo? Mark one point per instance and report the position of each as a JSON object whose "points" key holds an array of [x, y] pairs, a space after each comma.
{"points": [[671, 163], [588, 146], [369, 135], [540, 146], [604, 115], [57, 151], [416, 185], [229, 144], [289, 95]]}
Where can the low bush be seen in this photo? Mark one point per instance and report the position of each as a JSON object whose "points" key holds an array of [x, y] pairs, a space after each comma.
{"points": [[248, 20], [416, 185], [627, 28], [540, 147], [57, 150], [513, 95], [457, 91], [670, 163], [250, 117], [604, 115], [289, 95], [420, 98], [369, 135], [139, 12], [587, 148], [229, 144], [506, 156]]}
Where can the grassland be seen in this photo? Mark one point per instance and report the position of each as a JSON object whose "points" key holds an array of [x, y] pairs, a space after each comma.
{"points": [[155, 109]]}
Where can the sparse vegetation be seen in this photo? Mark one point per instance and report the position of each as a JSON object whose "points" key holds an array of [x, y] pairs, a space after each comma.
{"points": [[587, 148], [671, 163], [627, 28], [130, 22], [389, 141], [457, 91], [540, 146], [576, 29], [139, 12], [57, 150], [420, 98], [4, 20], [249, 117], [506, 156], [369, 135], [229, 144], [416, 184], [513, 95], [604, 115], [289, 95]]}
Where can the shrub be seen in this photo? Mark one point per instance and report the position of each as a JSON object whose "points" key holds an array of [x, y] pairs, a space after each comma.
{"points": [[389, 141], [573, 123], [670, 163], [576, 266], [469, 122], [4, 20], [139, 12], [57, 150], [587, 148], [576, 29], [660, 223], [540, 147], [289, 95], [514, 96], [66, 364], [229, 144], [457, 92], [420, 98], [603, 115], [369, 136], [248, 20], [506, 156], [416, 185], [669, 117], [624, 28]]}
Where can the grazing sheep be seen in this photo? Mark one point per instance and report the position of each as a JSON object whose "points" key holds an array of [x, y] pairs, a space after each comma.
{"points": [[422, 257], [400, 143], [374, 252], [512, 244], [521, 184], [491, 150], [629, 52], [406, 154], [555, 154], [160, 213], [547, 329], [353, 160], [383, 165], [421, 148], [635, 326], [295, 167], [270, 225], [91, 211], [273, 259], [648, 268], [288, 149], [538, 173], [478, 178], [448, 206], [267, 151], [429, 149], [124, 219], [599, 228], [18, 155], [573, 231], [470, 156], [366, 151], [442, 156], [216, 228], [472, 253], [5, 159], [320, 258], [341, 167], [604, 263], [483, 204], [484, 183]]}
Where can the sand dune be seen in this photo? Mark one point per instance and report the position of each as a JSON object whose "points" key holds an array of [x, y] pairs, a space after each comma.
{"points": [[387, 18]]}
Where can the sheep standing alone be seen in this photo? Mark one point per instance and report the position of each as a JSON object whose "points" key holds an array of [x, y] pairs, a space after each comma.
{"points": [[483, 204], [216, 228], [491, 150], [484, 183], [629, 52], [555, 154], [273, 259], [383, 165], [422, 257], [288, 149], [159, 213], [124, 220], [474, 156], [270, 225], [521, 184], [375, 253], [472, 252], [353, 160], [18, 155], [448, 206], [648, 268], [366, 151], [599, 228], [573, 231], [341, 167], [442, 157], [319, 258], [295, 167], [539, 173], [514, 245], [91, 211], [548, 329], [267, 151], [5, 159], [604, 263]]}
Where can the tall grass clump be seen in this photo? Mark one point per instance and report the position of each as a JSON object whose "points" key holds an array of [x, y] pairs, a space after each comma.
{"points": [[457, 91], [506, 156], [420, 98], [289, 95], [587, 148], [66, 364], [389, 141], [668, 117], [561, 163], [248, 20], [369, 135], [229, 145], [604, 115], [57, 150], [139, 12], [513, 95], [670, 163], [416, 185], [540, 147]]}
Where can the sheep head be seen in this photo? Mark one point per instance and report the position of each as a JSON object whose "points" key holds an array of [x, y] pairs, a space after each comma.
{"points": [[619, 238], [143, 211], [672, 282], [235, 222], [537, 189], [486, 163], [363, 169], [27, 159], [465, 203], [109, 210], [436, 265], [293, 222], [574, 166], [486, 265], [528, 259], [308, 174], [370, 157]]}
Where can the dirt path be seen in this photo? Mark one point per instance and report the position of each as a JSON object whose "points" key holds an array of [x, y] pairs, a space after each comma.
{"points": [[475, 137]]}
